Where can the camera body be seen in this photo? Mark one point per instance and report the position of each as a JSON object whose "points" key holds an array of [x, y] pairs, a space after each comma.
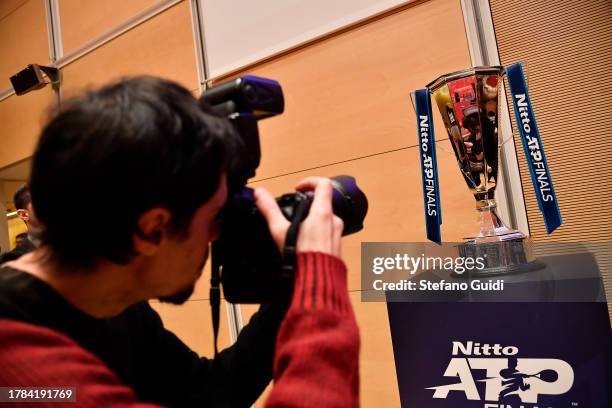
{"points": [[250, 263]]}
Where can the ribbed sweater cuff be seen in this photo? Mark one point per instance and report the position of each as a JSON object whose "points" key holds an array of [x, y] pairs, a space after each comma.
{"points": [[320, 283]]}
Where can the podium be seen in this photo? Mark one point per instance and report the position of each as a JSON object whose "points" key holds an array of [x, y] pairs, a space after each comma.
{"points": [[544, 342]]}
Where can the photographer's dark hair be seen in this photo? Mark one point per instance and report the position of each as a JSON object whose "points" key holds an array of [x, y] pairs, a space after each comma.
{"points": [[22, 198], [112, 154]]}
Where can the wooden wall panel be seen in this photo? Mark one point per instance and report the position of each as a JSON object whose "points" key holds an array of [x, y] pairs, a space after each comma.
{"points": [[9, 6], [576, 55], [18, 172], [349, 96], [23, 39], [10, 187], [162, 46], [567, 82], [21, 119], [192, 323], [378, 378], [82, 21]]}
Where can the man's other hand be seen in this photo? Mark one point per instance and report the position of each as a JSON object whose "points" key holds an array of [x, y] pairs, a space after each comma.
{"points": [[319, 232]]}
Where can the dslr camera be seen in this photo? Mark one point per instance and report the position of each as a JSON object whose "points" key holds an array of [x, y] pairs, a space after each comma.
{"points": [[245, 257]]}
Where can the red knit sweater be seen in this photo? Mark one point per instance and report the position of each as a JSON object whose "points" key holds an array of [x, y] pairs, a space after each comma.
{"points": [[316, 359]]}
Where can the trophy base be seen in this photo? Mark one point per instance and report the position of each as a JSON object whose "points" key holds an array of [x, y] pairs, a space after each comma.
{"points": [[506, 254]]}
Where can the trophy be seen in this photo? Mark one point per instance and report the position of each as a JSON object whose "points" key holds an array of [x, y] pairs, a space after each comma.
{"points": [[468, 102]]}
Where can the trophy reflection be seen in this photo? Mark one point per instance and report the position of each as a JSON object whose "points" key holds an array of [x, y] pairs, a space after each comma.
{"points": [[468, 101]]}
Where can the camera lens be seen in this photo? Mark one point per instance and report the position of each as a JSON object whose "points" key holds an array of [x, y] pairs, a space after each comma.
{"points": [[349, 203]]}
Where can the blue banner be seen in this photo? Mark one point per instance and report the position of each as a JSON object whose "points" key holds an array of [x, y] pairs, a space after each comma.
{"points": [[534, 151], [429, 167]]}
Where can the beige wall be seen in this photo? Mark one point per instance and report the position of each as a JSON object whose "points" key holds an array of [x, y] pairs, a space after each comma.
{"points": [[348, 111], [23, 40], [21, 118], [163, 46], [83, 21], [566, 78], [23, 37]]}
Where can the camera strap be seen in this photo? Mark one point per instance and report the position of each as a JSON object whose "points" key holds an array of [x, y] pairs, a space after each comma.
{"points": [[288, 265], [215, 298], [290, 249]]}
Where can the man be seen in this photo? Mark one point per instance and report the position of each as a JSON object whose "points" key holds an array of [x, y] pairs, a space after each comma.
{"points": [[21, 240], [23, 205], [23, 245], [149, 167]]}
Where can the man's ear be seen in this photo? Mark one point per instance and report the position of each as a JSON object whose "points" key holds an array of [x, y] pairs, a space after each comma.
{"points": [[23, 214], [151, 230]]}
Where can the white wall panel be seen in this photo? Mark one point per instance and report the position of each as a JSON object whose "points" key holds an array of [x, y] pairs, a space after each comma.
{"points": [[239, 32]]}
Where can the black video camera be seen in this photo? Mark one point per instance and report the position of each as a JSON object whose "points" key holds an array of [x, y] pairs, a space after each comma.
{"points": [[250, 263]]}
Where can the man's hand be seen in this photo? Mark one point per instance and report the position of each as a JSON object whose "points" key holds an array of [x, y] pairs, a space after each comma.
{"points": [[319, 232]]}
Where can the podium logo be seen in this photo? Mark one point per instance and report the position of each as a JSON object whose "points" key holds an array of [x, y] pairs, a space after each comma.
{"points": [[508, 379]]}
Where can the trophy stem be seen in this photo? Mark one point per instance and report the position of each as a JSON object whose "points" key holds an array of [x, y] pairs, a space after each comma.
{"points": [[492, 228]]}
